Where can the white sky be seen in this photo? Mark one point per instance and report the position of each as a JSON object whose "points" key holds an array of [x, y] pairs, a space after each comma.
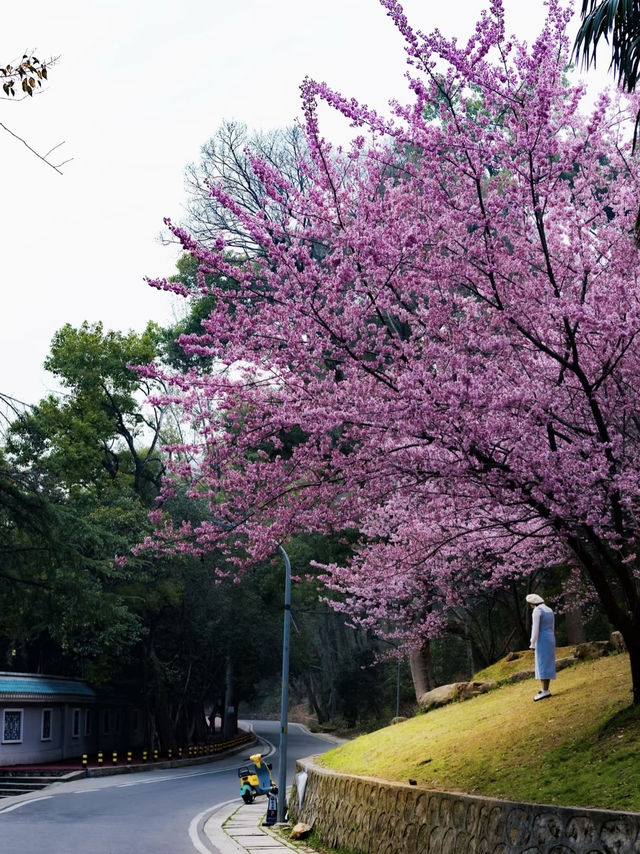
{"points": [[140, 86]]}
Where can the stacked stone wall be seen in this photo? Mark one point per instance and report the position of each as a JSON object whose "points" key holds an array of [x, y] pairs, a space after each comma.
{"points": [[370, 816]]}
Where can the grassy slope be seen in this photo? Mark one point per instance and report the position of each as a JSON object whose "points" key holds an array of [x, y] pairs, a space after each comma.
{"points": [[578, 748]]}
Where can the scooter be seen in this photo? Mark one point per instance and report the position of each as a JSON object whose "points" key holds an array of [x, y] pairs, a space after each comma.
{"points": [[255, 778]]}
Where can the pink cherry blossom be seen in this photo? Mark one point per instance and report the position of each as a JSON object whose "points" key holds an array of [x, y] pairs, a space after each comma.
{"points": [[449, 313]]}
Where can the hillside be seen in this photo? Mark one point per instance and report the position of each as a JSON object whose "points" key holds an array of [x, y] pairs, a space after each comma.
{"points": [[578, 748]]}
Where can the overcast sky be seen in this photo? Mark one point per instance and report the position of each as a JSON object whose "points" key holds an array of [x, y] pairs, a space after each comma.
{"points": [[139, 87]]}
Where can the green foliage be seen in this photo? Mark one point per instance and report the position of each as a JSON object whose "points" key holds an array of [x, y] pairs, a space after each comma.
{"points": [[75, 483], [57, 580], [618, 22], [99, 430], [89, 359]]}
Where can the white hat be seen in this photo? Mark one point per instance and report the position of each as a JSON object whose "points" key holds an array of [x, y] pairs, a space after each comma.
{"points": [[534, 599]]}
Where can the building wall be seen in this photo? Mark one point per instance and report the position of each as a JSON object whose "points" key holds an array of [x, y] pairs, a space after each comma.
{"points": [[74, 729], [371, 816], [66, 735]]}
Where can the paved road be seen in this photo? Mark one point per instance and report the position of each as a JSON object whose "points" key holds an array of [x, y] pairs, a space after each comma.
{"points": [[155, 812]]}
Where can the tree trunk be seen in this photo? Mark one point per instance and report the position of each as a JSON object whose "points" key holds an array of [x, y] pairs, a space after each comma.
{"points": [[230, 712], [421, 665], [633, 648], [617, 590], [634, 658], [468, 648], [575, 625], [162, 714], [314, 708]]}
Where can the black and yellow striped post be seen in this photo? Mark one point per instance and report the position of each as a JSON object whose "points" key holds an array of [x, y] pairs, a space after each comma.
{"points": [[100, 759], [85, 760], [155, 754], [129, 757], [179, 753], [169, 753], [114, 758], [145, 755]]}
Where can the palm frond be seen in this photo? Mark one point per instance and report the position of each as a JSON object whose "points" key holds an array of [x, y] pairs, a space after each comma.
{"points": [[618, 22]]}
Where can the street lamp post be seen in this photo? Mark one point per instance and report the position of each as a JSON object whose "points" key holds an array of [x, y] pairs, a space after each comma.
{"points": [[284, 698]]}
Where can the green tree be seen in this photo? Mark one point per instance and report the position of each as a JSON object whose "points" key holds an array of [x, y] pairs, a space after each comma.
{"points": [[100, 428], [58, 608], [77, 476]]}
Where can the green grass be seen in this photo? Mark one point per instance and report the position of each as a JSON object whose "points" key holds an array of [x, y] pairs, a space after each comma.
{"points": [[503, 669], [579, 748]]}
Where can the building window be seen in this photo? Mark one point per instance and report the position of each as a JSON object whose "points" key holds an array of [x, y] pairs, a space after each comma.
{"points": [[88, 721], [46, 725], [12, 725], [75, 728]]}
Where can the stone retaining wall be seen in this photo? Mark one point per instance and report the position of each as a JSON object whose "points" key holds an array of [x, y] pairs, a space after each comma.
{"points": [[371, 816]]}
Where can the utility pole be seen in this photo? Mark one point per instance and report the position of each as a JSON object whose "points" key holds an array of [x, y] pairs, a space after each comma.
{"points": [[284, 699], [284, 696]]}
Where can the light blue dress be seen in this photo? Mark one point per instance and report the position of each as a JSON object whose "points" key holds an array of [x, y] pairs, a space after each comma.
{"points": [[543, 640]]}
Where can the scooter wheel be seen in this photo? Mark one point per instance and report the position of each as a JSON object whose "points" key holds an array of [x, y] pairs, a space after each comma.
{"points": [[247, 797]]}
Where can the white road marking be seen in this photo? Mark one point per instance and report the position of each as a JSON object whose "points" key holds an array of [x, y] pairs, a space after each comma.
{"points": [[24, 803], [172, 777], [193, 827]]}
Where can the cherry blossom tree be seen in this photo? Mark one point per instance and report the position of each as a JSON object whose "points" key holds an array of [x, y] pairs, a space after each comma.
{"points": [[447, 317]]}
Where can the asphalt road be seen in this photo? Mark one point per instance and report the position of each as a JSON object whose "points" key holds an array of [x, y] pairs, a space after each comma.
{"points": [[152, 812]]}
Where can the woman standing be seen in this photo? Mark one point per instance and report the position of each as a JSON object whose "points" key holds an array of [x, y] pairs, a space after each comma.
{"points": [[543, 640]]}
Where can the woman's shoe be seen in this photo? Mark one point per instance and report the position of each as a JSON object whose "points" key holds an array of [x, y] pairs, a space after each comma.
{"points": [[541, 695]]}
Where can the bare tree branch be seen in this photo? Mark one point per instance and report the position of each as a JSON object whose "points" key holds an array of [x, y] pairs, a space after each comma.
{"points": [[33, 151]]}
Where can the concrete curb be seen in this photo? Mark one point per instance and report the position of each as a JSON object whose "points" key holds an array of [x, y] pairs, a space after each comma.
{"points": [[237, 829]]}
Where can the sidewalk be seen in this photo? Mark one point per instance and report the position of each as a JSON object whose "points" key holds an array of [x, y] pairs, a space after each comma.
{"points": [[238, 829]]}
